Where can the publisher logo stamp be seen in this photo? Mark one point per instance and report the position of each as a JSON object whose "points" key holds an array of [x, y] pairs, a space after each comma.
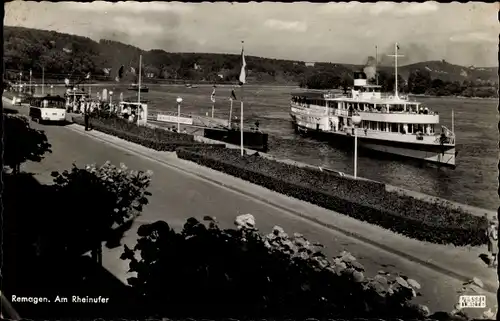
{"points": [[472, 301]]}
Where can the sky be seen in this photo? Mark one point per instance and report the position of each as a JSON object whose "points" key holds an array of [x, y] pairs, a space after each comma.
{"points": [[465, 34]]}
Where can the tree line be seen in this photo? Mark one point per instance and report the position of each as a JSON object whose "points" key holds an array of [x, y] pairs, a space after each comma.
{"points": [[419, 82], [70, 56]]}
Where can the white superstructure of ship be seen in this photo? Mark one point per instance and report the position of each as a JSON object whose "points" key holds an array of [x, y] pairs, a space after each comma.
{"points": [[390, 123]]}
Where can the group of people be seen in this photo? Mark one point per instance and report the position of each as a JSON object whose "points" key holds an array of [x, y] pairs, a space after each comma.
{"points": [[492, 234], [81, 106]]}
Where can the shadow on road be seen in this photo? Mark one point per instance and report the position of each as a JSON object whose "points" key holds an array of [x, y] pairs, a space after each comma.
{"points": [[36, 265], [10, 111]]}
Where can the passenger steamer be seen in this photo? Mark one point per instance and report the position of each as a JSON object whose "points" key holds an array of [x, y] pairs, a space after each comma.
{"points": [[390, 124]]}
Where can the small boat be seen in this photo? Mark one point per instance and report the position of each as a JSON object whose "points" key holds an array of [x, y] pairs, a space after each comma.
{"points": [[135, 87]]}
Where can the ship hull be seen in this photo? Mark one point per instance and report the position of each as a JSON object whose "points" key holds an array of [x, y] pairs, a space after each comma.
{"points": [[436, 154]]}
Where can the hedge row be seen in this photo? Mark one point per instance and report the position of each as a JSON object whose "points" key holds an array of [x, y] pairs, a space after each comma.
{"points": [[362, 200], [157, 139], [143, 131]]}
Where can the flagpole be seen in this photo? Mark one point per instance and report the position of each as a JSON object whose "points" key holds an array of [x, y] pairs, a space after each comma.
{"points": [[140, 74], [230, 113], [242, 73], [241, 121]]}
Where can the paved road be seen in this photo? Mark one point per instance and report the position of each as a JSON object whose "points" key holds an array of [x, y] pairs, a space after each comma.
{"points": [[177, 196]]}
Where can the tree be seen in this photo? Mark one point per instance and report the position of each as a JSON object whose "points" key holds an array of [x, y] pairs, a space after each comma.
{"points": [[22, 142], [419, 81]]}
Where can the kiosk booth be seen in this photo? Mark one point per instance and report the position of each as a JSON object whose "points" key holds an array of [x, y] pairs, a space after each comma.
{"points": [[134, 111]]}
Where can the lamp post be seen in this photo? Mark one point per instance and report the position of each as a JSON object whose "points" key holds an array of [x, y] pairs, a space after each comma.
{"points": [[179, 101], [356, 120], [31, 91], [110, 97], [51, 89], [74, 99]]}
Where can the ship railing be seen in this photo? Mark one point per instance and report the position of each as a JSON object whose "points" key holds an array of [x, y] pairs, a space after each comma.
{"points": [[448, 138]]}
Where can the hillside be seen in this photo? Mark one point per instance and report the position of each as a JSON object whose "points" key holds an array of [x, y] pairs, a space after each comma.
{"points": [[63, 55]]}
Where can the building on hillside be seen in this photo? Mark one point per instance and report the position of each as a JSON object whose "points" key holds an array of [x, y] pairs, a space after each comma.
{"points": [[310, 64]]}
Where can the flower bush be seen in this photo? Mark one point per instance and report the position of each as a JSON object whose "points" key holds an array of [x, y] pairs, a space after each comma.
{"points": [[21, 142], [362, 200], [107, 196], [212, 272], [157, 139]]}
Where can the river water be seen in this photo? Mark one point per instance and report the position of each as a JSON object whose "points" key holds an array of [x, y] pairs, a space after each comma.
{"points": [[473, 182]]}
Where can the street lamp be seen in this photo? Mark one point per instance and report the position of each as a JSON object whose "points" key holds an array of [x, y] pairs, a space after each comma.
{"points": [[110, 97], [179, 101], [356, 120], [51, 89]]}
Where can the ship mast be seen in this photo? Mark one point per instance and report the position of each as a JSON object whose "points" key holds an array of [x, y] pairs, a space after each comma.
{"points": [[376, 64], [396, 48]]}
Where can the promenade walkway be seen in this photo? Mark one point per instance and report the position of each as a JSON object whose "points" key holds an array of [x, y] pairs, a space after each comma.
{"points": [[182, 189]]}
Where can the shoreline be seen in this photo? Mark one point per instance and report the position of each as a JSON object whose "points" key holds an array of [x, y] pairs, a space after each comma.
{"points": [[474, 210]]}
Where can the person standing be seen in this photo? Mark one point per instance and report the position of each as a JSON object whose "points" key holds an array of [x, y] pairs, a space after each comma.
{"points": [[87, 117], [492, 232]]}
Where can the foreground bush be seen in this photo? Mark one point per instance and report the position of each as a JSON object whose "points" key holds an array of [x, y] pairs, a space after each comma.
{"points": [[157, 139], [210, 272], [106, 197], [21, 142], [362, 200]]}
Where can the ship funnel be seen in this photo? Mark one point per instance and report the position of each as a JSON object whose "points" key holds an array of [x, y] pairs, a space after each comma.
{"points": [[359, 79]]}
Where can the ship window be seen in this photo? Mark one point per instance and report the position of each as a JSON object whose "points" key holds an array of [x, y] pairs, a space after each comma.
{"points": [[410, 128], [394, 128], [383, 126]]}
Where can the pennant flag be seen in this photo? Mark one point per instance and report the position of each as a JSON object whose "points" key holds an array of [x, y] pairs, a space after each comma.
{"points": [[106, 70], [243, 66], [88, 76], [233, 95], [120, 74], [132, 69], [397, 45], [212, 97]]}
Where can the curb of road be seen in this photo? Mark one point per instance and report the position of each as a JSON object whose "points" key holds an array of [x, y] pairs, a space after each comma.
{"points": [[488, 286]]}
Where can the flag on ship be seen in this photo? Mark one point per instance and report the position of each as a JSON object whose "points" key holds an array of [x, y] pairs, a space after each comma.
{"points": [[397, 45], [243, 74], [132, 70], [66, 81], [233, 95], [212, 97], [119, 75], [106, 71], [87, 76]]}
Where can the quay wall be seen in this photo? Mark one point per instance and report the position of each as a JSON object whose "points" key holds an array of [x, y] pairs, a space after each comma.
{"points": [[390, 188]]}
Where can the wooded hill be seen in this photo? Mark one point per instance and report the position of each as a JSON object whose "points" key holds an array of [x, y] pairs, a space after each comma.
{"points": [[64, 55]]}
